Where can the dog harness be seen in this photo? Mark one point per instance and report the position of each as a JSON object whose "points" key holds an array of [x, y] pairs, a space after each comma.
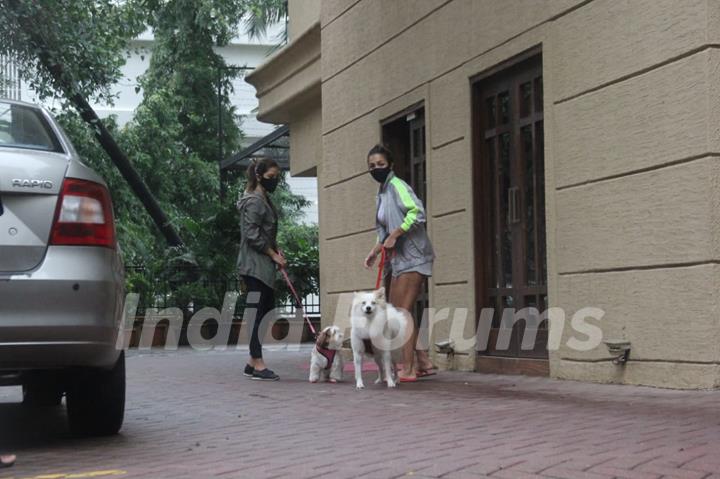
{"points": [[328, 354]]}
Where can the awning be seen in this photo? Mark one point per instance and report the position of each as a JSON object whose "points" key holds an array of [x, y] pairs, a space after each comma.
{"points": [[275, 146]]}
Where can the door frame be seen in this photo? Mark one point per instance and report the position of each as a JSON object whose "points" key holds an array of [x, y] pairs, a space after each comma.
{"points": [[405, 170], [481, 217]]}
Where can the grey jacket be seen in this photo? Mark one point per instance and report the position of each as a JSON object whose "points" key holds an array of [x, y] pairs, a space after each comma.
{"points": [[258, 230], [402, 209]]}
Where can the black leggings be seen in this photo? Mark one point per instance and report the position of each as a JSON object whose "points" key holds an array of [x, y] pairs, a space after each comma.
{"points": [[262, 306]]}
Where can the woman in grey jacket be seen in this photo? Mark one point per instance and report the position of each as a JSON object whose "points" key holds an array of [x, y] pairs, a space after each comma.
{"points": [[259, 257], [400, 224]]}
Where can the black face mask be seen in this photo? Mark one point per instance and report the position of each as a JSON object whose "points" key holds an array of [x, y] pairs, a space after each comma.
{"points": [[380, 174], [270, 184]]}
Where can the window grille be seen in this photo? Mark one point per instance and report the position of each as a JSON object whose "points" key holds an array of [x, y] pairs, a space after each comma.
{"points": [[9, 79]]}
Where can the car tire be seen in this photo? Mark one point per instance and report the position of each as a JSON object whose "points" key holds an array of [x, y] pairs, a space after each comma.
{"points": [[96, 400], [42, 394]]}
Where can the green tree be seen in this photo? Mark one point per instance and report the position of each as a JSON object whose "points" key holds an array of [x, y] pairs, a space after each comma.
{"points": [[299, 243], [172, 140], [77, 68], [264, 13], [185, 64], [88, 38]]}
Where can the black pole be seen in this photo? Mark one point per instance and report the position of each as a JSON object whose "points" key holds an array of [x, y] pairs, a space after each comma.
{"points": [[220, 132], [131, 175]]}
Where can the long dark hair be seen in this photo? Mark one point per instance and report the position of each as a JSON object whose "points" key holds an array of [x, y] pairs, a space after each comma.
{"points": [[258, 167], [383, 150]]}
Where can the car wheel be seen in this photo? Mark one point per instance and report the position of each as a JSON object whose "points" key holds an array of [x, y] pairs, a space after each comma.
{"points": [[42, 394], [96, 400]]}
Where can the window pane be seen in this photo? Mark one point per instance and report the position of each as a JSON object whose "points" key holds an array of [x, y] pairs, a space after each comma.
{"points": [[525, 99], [416, 139], [539, 182], [24, 127], [504, 165], [539, 94], [497, 313], [526, 138], [532, 302], [507, 303], [490, 112], [493, 179], [504, 100]]}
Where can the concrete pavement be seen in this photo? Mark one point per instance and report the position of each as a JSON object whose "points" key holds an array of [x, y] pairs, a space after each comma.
{"points": [[193, 414]]}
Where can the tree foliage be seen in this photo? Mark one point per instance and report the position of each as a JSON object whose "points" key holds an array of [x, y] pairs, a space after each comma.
{"points": [[262, 14], [89, 38], [173, 138]]}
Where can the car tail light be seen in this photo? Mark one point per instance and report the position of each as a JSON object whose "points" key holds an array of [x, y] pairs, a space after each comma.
{"points": [[83, 215]]}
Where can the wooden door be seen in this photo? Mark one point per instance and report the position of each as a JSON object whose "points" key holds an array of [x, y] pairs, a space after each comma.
{"points": [[509, 186]]}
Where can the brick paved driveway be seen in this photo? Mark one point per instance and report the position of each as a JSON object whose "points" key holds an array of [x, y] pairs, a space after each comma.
{"points": [[193, 415]]}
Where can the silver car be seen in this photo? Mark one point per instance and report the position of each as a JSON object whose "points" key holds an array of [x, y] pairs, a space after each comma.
{"points": [[61, 276]]}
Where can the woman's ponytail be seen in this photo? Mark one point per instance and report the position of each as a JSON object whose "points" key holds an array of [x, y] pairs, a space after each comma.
{"points": [[252, 180], [258, 167]]}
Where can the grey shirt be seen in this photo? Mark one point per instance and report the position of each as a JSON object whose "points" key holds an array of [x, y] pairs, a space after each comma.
{"points": [[258, 230], [401, 208]]}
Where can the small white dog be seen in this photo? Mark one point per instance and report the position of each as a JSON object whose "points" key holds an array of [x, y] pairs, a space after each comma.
{"points": [[325, 362], [377, 323]]}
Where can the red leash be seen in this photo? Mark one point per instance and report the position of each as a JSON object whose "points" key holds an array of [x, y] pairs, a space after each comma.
{"points": [[381, 266], [297, 299], [329, 354]]}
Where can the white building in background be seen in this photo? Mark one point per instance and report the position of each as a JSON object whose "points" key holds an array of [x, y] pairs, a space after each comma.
{"points": [[241, 52], [10, 85]]}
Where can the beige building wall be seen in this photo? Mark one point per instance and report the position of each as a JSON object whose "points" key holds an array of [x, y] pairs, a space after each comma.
{"points": [[289, 87], [631, 113]]}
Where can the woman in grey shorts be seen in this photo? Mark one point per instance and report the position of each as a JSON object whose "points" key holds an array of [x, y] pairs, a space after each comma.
{"points": [[400, 224]]}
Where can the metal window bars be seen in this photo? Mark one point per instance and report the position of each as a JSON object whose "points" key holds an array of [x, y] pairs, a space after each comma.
{"points": [[10, 86]]}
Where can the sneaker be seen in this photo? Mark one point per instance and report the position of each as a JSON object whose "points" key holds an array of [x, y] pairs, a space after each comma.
{"points": [[249, 370], [265, 375]]}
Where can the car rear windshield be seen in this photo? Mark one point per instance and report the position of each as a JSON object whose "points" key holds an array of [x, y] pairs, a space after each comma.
{"points": [[25, 127]]}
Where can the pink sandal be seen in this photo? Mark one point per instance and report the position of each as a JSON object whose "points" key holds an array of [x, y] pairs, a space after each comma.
{"points": [[7, 460], [408, 380]]}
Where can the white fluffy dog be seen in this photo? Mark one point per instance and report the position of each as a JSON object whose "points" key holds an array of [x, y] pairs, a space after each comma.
{"points": [[376, 322], [325, 362]]}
